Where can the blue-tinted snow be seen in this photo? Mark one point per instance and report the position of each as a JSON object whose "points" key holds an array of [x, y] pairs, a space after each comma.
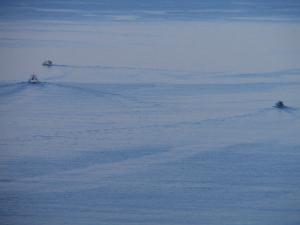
{"points": [[154, 112]]}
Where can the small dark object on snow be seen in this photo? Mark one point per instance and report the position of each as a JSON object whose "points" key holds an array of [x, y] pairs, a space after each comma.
{"points": [[48, 63], [279, 105]]}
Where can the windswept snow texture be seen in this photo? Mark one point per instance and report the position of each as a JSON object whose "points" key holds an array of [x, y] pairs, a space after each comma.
{"points": [[153, 113]]}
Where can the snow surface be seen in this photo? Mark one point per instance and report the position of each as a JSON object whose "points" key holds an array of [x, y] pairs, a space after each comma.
{"points": [[143, 123]]}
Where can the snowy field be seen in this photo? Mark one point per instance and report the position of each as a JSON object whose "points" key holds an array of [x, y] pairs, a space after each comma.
{"points": [[160, 119]]}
